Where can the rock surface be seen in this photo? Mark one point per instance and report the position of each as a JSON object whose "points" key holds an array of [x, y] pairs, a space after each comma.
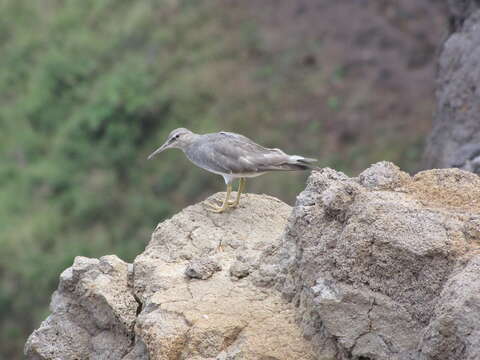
{"points": [[384, 266], [460, 10], [93, 313], [455, 139], [195, 298], [380, 267]]}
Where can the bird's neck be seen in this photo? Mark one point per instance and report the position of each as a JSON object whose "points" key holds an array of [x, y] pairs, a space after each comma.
{"points": [[190, 140]]}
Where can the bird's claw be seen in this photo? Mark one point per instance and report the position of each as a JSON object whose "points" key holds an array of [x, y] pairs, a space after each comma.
{"points": [[215, 208]]}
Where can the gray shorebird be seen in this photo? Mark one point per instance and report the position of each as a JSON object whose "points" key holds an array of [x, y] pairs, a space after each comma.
{"points": [[233, 156]]}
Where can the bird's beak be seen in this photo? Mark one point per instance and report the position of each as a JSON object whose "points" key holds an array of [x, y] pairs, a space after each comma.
{"points": [[158, 151]]}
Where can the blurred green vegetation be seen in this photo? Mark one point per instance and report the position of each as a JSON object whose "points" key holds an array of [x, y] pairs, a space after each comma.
{"points": [[89, 88]]}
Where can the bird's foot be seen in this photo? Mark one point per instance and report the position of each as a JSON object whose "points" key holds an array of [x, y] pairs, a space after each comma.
{"points": [[233, 204], [215, 208], [236, 202]]}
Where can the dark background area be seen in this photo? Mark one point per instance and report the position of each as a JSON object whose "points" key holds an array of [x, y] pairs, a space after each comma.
{"points": [[90, 88]]}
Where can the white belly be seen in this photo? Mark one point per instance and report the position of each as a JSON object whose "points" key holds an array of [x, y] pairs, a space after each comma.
{"points": [[229, 178]]}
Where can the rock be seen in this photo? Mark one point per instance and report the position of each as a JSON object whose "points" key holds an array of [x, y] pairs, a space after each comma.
{"points": [[455, 138], [208, 314], [220, 317], [395, 276], [239, 269], [202, 268], [93, 313], [384, 266], [460, 10], [455, 331], [382, 176]]}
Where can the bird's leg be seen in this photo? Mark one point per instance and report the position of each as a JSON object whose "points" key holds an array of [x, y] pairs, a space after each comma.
{"points": [[220, 209], [241, 189]]}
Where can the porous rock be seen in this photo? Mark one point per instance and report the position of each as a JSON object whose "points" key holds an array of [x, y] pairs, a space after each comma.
{"points": [[104, 311], [219, 317], [392, 273], [239, 269], [202, 268], [384, 266], [93, 313], [454, 332]]}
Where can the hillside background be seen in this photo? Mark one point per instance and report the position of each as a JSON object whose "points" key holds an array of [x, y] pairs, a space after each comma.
{"points": [[89, 88]]}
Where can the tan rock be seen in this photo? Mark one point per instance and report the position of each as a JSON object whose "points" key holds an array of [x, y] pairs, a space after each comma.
{"points": [[216, 315], [384, 266], [93, 313], [189, 305]]}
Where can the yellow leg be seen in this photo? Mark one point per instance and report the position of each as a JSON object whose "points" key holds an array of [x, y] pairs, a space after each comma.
{"points": [[220, 209], [241, 189]]}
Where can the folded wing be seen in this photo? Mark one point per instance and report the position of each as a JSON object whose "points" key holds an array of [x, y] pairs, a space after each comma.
{"points": [[232, 153]]}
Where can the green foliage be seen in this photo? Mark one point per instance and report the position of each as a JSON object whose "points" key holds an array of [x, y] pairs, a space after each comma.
{"points": [[89, 88]]}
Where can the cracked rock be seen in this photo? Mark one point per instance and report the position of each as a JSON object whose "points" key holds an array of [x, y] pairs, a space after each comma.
{"points": [[395, 277], [94, 311], [217, 317], [384, 266], [454, 332]]}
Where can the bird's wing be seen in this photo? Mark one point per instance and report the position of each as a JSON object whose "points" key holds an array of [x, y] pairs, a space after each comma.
{"points": [[240, 155], [230, 153], [239, 137]]}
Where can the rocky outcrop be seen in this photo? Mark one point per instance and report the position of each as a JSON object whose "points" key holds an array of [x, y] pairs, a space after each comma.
{"points": [[188, 296], [93, 313], [381, 267], [384, 266], [455, 139], [460, 10]]}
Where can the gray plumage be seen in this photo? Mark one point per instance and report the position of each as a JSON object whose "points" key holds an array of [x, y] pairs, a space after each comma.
{"points": [[232, 155]]}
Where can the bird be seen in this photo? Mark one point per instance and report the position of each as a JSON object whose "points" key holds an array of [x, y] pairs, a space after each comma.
{"points": [[232, 156]]}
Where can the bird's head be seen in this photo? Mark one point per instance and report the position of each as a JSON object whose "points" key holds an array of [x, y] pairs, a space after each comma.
{"points": [[178, 139]]}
